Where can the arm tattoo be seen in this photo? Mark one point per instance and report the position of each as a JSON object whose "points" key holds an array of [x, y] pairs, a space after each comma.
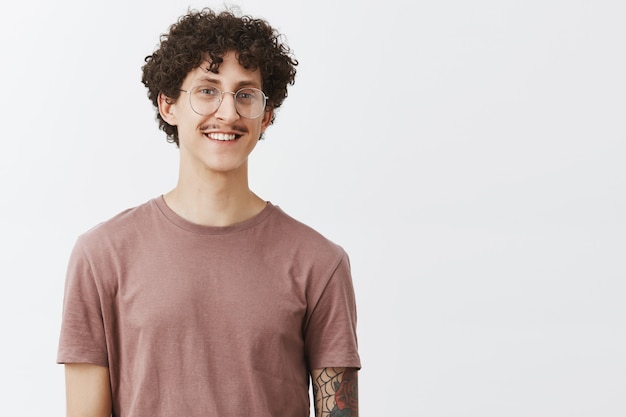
{"points": [[336, 392]]}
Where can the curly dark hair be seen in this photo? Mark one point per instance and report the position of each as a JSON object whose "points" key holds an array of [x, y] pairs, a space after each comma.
{"points": [[202, 34]]}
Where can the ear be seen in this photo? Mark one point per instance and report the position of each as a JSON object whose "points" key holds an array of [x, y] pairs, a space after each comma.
{"points": [[267, 119], [166, 109]]}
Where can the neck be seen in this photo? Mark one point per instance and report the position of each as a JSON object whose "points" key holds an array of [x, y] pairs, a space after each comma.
{"points": [[214, 199]]}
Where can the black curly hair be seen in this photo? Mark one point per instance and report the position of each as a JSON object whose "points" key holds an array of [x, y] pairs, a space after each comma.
{"points": [[206, 35]]}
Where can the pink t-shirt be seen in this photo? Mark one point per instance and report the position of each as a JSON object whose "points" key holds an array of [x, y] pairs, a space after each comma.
{"points": [[208, 321]]}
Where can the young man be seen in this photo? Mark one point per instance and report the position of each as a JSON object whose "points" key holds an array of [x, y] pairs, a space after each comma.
{"points": [[208, 300]]}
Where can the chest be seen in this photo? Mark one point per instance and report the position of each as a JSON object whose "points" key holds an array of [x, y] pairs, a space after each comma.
{"points": [[209, 296]]}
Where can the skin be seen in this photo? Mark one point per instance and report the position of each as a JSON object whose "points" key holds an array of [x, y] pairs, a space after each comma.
{"points": [[212, 190], [87, 390], [335, 392], [212, 186]]}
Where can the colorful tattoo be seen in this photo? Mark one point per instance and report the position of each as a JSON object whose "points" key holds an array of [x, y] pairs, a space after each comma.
{"points": [[336, 393]]}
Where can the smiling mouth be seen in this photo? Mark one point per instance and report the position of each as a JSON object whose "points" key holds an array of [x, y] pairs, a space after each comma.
{"points": [[224, 137]]}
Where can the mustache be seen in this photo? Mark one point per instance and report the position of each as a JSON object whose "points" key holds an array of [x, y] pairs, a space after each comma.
{"points": [[238, 129]]}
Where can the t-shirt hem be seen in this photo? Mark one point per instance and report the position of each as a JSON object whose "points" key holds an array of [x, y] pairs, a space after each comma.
{"points": [[321, 363], [64, 358]]}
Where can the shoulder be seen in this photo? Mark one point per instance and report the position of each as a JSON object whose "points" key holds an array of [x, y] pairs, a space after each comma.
{"points": [[298, 236], [120, 227]]}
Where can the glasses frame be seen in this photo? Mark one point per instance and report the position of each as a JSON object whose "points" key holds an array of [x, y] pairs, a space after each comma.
{"points": [[219, 103]]}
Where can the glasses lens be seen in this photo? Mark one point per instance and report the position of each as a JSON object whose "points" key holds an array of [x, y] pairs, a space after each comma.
{"points": [[250, 102], [205, 100]]}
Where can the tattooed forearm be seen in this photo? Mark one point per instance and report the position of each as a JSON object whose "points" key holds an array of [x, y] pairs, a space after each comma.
{"points": [[336, 392]]}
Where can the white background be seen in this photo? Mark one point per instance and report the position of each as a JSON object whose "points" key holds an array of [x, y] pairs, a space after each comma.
{"points": [[469, 156]]}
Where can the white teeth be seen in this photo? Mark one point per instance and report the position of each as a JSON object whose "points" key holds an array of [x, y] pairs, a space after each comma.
{"points": [[222, 136]]}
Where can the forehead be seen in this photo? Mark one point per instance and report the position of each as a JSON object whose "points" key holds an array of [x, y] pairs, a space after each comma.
{"points": [[230, 72]]}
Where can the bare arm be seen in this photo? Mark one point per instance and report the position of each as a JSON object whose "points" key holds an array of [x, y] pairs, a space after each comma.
{"points": [[87, 390], [336, 392]]}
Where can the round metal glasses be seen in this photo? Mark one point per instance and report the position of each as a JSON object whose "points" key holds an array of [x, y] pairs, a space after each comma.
{"points": [[249, 102]]}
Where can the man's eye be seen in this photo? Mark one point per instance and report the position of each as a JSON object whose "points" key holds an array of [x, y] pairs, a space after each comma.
{"points": [[247, 95], [208, 91]]}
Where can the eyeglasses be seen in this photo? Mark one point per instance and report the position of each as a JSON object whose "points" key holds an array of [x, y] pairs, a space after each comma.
{"points": [[249, 102]]}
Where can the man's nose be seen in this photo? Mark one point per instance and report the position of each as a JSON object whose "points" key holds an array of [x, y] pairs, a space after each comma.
{"points": [[227, 110]]}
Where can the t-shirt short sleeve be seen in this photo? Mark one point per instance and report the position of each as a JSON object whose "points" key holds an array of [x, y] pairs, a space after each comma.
{"points": [[82, 338], [330, 335]]}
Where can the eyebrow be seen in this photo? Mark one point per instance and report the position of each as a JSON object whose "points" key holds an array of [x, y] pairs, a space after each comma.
{"points": [[243, 83]]}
